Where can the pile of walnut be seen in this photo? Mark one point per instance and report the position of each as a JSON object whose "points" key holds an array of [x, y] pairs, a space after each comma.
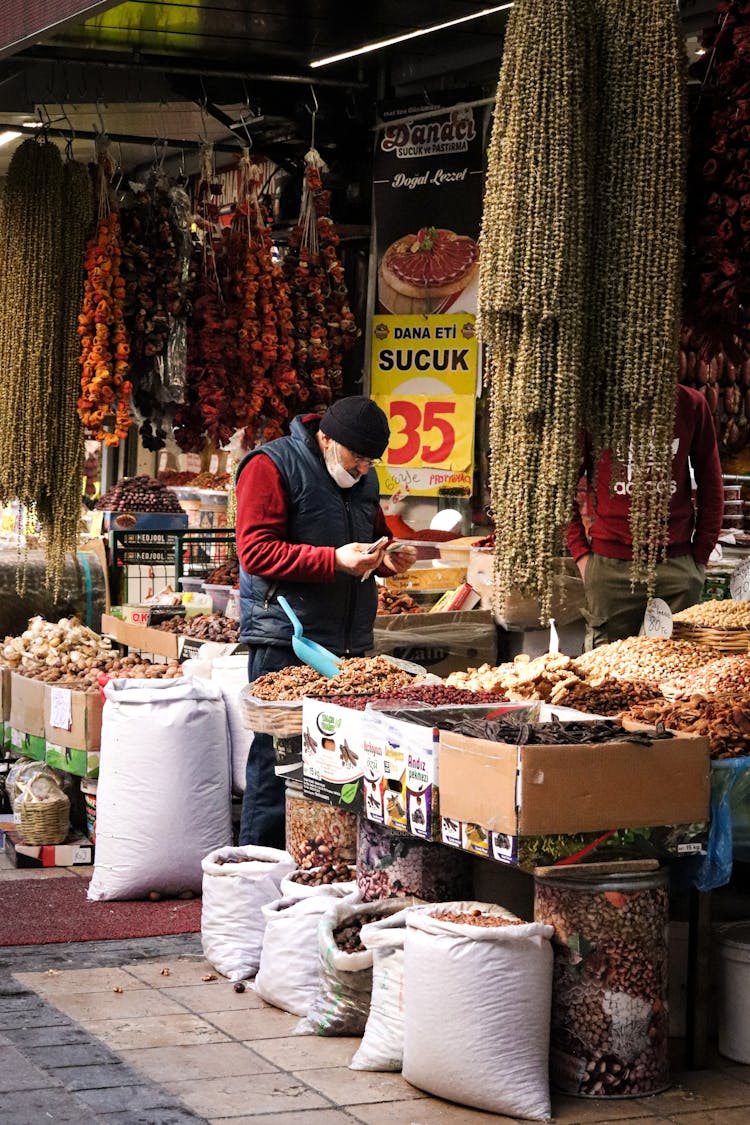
{"points": [[362, 675], [68, 652]]}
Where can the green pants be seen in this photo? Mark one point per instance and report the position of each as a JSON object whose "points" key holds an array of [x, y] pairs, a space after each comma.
{"points": [[614, 610]]}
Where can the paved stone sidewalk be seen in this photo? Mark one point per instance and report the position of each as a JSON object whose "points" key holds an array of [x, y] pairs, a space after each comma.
{"points": [[174, 1048]]}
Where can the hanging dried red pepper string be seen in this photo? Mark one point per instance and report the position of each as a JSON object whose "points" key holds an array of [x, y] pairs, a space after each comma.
{"points": [[104, 405], [324, 323]]}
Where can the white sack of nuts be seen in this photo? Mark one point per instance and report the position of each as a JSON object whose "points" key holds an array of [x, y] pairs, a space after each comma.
{"points": [[289, 973], [237, 884], [342, 1003], [496, 985], [382, 1046], [163, 795]]}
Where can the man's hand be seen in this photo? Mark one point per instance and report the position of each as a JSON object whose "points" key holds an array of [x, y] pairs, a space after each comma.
{"points": [[582, 564], [353, 559], [400, 560]]}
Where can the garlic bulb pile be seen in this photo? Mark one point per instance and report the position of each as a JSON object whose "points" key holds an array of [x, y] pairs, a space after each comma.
{"points": [[65, 644]]}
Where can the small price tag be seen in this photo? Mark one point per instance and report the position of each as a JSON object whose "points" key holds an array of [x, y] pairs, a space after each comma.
{"points": [[554, 640], [658, 619], [739, 583], [61, 708]]}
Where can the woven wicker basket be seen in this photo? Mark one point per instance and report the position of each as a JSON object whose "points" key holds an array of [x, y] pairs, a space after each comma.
{"points": [[44, 822], [722, 640]]}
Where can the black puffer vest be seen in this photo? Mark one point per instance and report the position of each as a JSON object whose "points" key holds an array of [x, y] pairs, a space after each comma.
{"points": [[339, 614]]}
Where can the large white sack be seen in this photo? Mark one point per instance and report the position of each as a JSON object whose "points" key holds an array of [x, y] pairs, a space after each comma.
{"points": [[382, 1046], [477, 1011], [234, 894], [163, 798], [230, 673], [289, 971]]}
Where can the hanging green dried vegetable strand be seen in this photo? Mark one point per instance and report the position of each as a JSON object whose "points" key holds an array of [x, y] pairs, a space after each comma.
{"points": [[533, 284], [40, 223], [636, 282], [62, 518]]}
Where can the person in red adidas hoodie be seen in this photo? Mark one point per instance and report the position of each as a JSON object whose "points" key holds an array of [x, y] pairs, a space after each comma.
{"points": [[603, 553]]}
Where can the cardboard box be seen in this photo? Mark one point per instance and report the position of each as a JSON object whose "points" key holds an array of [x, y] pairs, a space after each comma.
{"points": [[156, 641], [426, 576], [440, 642], [521, 613], [26, 745], [82, 763], [538, 790], [528, 852], [332, 754], [77, 849], [27, 705], [401, 774], [73, 719], [5, 694]]}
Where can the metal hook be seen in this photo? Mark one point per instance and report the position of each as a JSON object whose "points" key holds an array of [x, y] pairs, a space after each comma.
{"points": [[243, 123], [313, 113], [101, 130]]}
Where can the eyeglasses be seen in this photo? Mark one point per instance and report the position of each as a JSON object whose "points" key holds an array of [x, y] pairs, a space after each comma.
{"points": [[369, 461]]}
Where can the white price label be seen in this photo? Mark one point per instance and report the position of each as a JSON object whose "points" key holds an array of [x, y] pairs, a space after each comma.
{"points": [[61, 708], [739, 583], [554, 639], [658, 619]]}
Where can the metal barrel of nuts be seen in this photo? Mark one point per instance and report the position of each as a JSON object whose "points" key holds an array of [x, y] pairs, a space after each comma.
{"points": [[610, 1020]]}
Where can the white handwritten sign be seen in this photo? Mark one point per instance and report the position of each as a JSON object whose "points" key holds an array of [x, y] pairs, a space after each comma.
{"points": [[554, 640], [61, 708], [739, 583], [658, 619]]}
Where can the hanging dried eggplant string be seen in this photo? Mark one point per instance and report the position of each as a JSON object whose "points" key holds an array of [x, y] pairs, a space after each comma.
{"points": [[532, 288], [324, 325], [637, 274]]}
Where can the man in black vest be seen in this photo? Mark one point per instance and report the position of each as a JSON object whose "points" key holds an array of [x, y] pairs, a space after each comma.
{"points": [[308, 509]]}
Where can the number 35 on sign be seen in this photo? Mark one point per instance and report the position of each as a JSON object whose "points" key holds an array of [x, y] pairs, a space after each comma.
{"points": [[433, 434]]}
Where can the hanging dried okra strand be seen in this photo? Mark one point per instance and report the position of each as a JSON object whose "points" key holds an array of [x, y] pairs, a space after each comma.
{"points": [[637, 276], [45, 214], [533, 283]]}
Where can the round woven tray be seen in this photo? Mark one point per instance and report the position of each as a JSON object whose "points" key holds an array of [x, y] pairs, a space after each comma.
{"points": [[44, 822], [722, 640]]}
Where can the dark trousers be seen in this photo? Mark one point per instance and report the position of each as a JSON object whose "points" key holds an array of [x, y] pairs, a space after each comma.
{"points": [[263, 804]]}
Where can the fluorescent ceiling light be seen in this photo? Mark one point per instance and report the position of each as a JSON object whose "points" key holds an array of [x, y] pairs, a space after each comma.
{"points": [[32, 124], [9, 135], [380, 43]]}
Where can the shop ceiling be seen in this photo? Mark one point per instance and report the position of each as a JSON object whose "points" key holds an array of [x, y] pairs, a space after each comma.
{"points": [[234, 72]]}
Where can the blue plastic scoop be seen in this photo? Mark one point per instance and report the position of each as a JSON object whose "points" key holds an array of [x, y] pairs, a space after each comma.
{"points": [[309, 652]]}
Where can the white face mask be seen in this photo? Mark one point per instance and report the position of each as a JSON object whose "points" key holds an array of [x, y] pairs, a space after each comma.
{"points": [[342, 476]]}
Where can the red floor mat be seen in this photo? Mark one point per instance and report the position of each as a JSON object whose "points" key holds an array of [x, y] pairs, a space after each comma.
{"points": [[47, 911]]}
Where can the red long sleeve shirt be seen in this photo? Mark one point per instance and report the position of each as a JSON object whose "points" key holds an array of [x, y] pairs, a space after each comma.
{"points": [[262, 544], [693, 531]]}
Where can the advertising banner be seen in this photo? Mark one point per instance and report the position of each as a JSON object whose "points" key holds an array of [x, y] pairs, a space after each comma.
{"points": [[428, 178]]}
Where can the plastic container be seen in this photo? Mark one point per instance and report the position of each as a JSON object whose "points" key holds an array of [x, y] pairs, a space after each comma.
{"points": [[219, 596], [610, 1019], [88, 788], [312, 824], [393, 865], [734, 991], [190, 584], [232, 609]]}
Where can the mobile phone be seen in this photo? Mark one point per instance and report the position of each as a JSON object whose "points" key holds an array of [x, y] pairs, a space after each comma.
{"points": [[375, 547]]}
